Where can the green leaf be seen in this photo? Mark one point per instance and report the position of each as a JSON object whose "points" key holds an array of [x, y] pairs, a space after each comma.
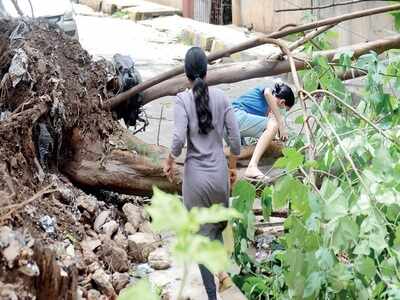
{"points": [[345, 233], [310, 79], [255, 286], [290, 161], [336, 204], [311, 164], [250, 225], [325, 258], [339, 277], [366, 266], [299, 120], [142, 290], [169, 214], [396, 241], [215, 214], [313, 284], [244, 194], [396, 16], [201, 250], [290, 188], [362, 248], [266, 203], [282, 191], [388, 267], [364, 61]]}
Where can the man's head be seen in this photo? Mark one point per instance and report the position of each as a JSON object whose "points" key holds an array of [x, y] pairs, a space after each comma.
{"points": [[284, 94]]}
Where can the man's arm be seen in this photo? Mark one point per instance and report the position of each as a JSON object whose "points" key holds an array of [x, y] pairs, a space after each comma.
{"points": [[273, 107]]}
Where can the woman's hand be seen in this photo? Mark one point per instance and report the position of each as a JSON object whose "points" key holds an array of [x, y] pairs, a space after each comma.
{"points": [[169, 168], [232, 177]]}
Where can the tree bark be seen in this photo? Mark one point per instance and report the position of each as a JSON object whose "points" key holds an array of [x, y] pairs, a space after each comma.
{"points": [[115, 101], [235, 72], [123, 164], [54, 281]]}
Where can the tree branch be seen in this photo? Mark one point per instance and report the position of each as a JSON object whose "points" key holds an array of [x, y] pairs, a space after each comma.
{"points": [[115, 101], [260, 68], [322, 6]]}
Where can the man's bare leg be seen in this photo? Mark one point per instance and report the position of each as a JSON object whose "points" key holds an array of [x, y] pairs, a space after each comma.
{"points": [[262, 145]]}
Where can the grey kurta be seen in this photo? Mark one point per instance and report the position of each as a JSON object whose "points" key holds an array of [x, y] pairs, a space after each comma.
{"points": [[205, 180]]}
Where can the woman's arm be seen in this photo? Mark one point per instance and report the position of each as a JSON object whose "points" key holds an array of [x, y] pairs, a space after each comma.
{"points": [[178, 139], [180, 128]]}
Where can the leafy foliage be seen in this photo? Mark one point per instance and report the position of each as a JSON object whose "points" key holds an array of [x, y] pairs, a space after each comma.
{"points": [[142, 290], [342, 236]]}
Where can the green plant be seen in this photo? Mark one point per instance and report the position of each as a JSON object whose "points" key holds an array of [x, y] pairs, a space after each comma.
{"points": [[168, 214], [342, 237]]}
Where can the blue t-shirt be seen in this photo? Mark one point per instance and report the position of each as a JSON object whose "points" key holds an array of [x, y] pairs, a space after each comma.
{"points": [[253, 102]]}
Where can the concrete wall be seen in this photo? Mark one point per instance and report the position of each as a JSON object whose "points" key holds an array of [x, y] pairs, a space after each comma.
{"points": [[173, 3], [260, 15]]}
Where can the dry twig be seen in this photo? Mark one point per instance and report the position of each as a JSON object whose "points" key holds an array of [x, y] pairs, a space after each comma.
{"points": [[15, 207]]}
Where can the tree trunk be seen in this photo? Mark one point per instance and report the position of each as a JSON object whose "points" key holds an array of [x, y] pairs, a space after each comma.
{"points": [[124, 164]]}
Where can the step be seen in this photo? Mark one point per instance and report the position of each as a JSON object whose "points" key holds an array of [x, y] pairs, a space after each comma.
{"points": [[139, 10]]}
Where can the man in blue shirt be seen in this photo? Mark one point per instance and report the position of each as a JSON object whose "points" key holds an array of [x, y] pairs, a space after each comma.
{"points": [[258, 115]]}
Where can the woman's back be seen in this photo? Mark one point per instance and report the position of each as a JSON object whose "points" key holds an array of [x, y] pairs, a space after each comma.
{"points": [[206, 149]]}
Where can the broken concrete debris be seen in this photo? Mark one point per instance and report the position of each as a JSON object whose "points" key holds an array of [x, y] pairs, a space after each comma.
{"points": [[48, 224], [140, 245], [102, 281], [134, 214], [120, 281], [114, 256], [101, 219], [159, 259], [88, 203], [110, 228]]}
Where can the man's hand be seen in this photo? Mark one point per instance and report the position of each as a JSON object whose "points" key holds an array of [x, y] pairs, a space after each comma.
{"points": [[283, 133], [169, 168]]}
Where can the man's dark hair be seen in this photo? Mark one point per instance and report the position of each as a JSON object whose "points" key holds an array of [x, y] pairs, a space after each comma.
{"points": [[283, 91]]}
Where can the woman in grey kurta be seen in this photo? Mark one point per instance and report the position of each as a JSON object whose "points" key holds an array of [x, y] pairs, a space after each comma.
{"points": [[202, 114]]}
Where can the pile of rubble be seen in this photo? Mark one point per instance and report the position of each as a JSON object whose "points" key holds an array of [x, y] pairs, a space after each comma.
{"points": [[116, 248]]}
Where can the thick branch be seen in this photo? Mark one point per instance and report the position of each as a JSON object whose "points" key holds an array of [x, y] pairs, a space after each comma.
{"points": [[17, 8], [115, 101], [262, 68], [333, 4]]}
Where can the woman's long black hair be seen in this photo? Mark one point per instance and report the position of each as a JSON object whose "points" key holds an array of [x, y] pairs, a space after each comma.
{"points": [[196, 70]]}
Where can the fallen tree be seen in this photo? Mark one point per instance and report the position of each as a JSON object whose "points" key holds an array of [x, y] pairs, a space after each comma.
{"points": [[115, 101], [262, 68]]}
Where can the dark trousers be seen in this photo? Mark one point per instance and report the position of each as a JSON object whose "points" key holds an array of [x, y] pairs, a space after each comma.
{"points": [[213, 232]]}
